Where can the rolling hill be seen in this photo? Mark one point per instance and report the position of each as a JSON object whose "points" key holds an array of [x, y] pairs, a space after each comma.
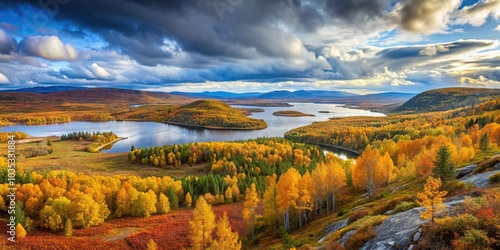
{"points": [[212, 114], [447, 99]]}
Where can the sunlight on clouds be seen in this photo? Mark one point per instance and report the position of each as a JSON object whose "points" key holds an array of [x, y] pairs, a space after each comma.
{"points": [[426, 16], [481, 80], [49, 47], [99, 72], [477, 14], [434, 49], [3, 78]]}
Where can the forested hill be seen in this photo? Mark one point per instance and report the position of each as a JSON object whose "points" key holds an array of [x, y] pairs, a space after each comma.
{"points": [[212, 114], [447, 99]]}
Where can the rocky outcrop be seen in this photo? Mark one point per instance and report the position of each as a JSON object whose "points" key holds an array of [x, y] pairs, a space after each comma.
{"points": [[328, 230], [396, 231], [465, 171], [480, 180]]}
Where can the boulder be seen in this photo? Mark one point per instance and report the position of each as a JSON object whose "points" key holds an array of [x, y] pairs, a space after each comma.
{"points": [[465, 171], [396, 230]]}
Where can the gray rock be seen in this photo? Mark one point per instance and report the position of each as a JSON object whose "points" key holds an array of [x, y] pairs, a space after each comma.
{"points": [[328, 230], [465, 171], [346, 237], [496, 167], [417, 235], [480, 180], [410, 247], [389, 212], [397, 230]]}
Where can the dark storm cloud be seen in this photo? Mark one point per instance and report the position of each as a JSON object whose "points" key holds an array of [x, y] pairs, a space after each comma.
{"points": [[355, 11], [246, 29], [139, 28], [7, 43]]}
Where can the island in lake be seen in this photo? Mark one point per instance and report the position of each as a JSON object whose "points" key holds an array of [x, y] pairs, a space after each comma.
{"points": [[212, 114], [291, 113]]}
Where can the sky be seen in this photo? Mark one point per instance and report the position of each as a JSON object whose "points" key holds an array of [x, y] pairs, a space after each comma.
{"points": [[359, 46]]}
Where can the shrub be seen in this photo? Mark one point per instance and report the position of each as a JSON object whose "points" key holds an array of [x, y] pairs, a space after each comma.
{"points": [[404, 206], [360, 237], [332, 245], [494, 178], [357, 215], [472, 239], [342, 212], [454, 187], [391, 204], [446, 227]]}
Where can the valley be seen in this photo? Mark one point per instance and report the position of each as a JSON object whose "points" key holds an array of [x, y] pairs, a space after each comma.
{"points": [[140, 186]]}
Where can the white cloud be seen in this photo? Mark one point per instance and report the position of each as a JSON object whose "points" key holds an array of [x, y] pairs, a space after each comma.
{"points": [[481, 80], [50, 48], [434, 49], [477, 14], [3, 78], [99, 72], [497, 28]]}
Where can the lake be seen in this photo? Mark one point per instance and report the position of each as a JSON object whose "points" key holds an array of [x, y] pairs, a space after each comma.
{"points": [[149, 134]]}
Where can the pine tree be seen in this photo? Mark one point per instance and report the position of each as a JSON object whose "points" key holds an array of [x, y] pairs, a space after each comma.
{"points": [[484, 143], [443, 168], [201, 225], [20, 232], [225, 238], [68, 228], [251, 201], [432, 199]]}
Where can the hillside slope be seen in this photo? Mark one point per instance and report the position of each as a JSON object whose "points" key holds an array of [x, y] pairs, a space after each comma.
{"points": [[447, 99], [212, 114]]}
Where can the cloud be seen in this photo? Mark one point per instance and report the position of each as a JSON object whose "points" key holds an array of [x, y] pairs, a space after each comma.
{"points": [[477, 14], [3, 78], [7, 43], [356, 11], [497, 28], [425, 16], [48, 47], [434, 49], [92, 72], [99, 72], [481, 80]]}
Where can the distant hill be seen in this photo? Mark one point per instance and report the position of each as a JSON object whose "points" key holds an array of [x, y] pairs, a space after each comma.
{"points": [[447, 98], [392, 95], [305, 94], [217, 95], [49, 89], [212, 114], [91, 95]]}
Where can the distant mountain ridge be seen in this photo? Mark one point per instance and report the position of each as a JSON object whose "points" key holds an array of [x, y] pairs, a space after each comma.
{"points": [[299, 95], [48, 89], [447, 99]]}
